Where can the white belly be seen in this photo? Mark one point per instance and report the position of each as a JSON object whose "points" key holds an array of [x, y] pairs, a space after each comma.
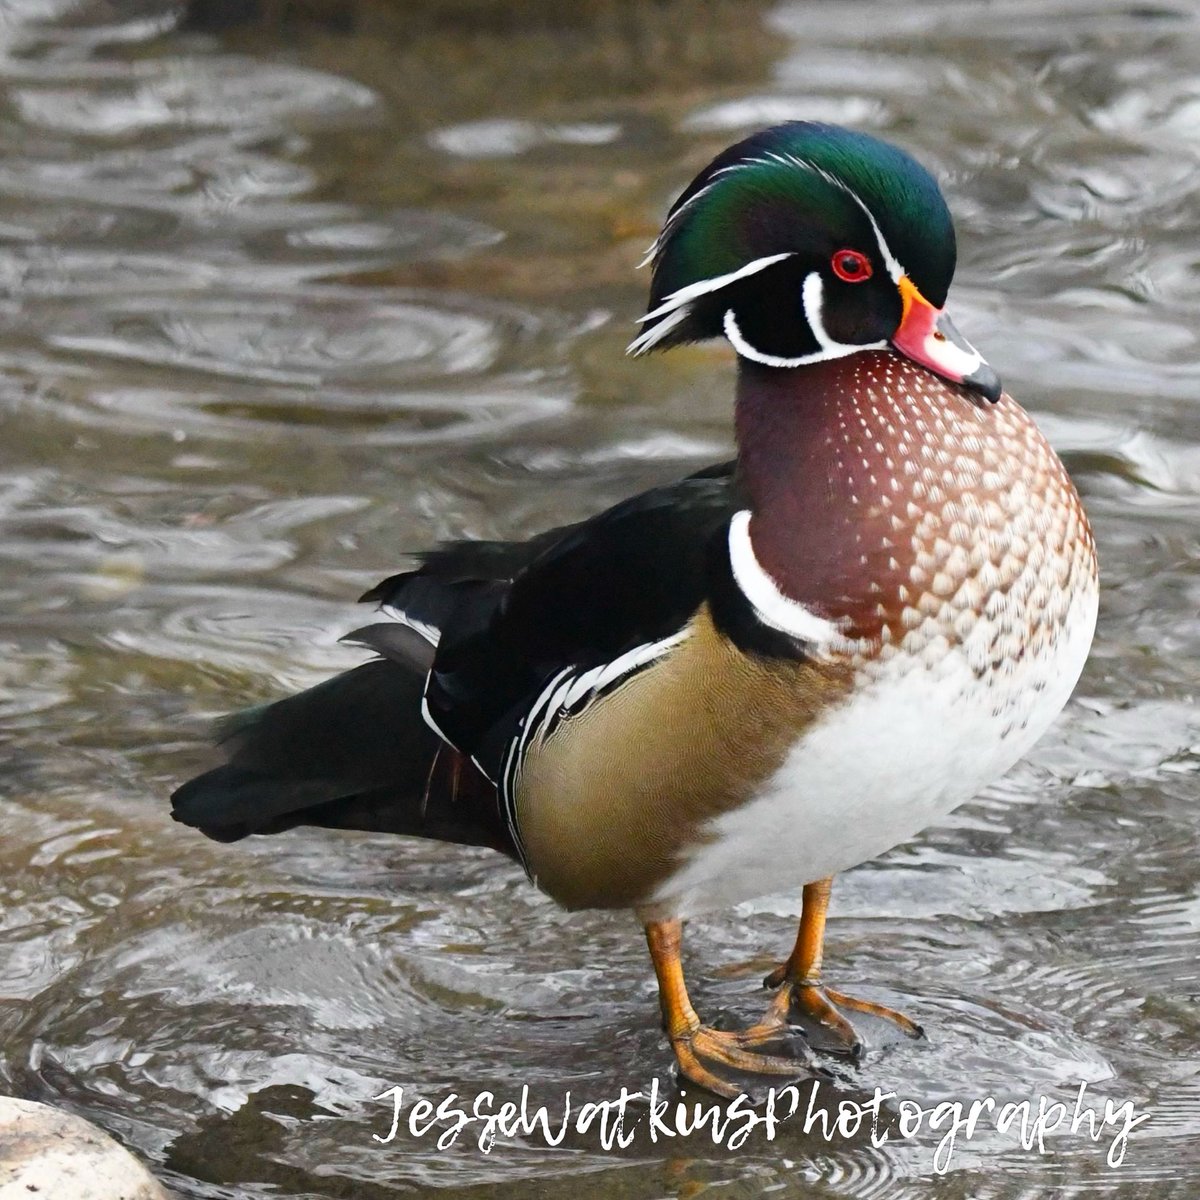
{"points": [[922, 734]]}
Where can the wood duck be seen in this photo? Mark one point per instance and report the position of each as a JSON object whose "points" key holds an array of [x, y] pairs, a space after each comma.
{"points": [[753, 678]]}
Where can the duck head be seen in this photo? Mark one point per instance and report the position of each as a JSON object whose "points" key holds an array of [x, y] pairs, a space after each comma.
{"points": [[808, 242]]}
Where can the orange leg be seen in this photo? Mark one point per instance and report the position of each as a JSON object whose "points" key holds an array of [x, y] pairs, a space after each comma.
{"points": [[712, 1058], [801, 991]]}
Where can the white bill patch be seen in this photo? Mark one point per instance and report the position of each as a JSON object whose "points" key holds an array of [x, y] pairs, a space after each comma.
{"points": [[943, 355]]}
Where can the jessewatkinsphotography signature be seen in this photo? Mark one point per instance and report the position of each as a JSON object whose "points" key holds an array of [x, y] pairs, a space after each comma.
{"points": [[662, 1115]]}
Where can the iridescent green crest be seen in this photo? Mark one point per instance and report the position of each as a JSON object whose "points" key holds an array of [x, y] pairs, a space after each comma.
{"points": [[803, 190]]}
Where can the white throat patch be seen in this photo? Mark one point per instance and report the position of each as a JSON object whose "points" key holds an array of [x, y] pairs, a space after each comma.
{"points": [[812, 293]]}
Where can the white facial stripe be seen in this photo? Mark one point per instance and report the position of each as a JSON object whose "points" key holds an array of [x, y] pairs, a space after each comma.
{"points": [[812, 293], [655, 334], [674, 220], [772, 607], [895, 270], [674, 307], [677, 215], [702, 287], [743, 347], [894, 267]]}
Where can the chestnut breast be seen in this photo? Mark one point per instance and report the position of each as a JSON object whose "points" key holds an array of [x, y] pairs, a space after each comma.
{"points": [[907, 509]]}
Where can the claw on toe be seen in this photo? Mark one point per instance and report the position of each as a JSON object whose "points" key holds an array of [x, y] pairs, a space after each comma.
{"points": [[906, 1025], [804, 1001], [807, 1002], [714, 1059], [723, 1062]]}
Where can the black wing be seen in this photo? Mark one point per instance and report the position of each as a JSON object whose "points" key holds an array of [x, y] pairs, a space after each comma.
{"points": [[513, 616], [492, 625]]}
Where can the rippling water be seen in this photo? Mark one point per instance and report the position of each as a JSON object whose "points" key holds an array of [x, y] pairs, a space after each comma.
{"points": [[286, 290]]}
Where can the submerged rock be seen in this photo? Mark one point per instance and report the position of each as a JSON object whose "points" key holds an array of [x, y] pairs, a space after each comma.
{"points": [[47, 1152]]}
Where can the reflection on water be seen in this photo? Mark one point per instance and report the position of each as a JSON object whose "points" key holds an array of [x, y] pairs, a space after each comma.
{"points": [[290, 289]]}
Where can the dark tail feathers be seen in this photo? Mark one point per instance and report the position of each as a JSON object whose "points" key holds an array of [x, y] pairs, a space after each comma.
{"points": [[351, 753]]}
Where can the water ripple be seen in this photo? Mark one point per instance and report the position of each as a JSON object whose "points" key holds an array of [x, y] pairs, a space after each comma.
{"points": [[225, 92], [286, 298]]}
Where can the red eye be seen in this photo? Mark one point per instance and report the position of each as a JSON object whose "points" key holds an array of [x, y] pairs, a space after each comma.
{"points": [[851, 265]]}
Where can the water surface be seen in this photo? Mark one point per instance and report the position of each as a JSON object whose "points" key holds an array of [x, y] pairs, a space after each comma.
{"points": [[288, 290]]}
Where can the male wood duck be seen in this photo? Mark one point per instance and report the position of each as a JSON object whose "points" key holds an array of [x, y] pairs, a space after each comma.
{"points": [[756, 677]]}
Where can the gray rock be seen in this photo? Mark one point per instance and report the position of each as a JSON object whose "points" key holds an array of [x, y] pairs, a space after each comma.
{"points": [[45, 1152]]}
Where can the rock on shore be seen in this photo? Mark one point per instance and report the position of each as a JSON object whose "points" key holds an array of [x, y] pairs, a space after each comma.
{"points": [[53, 1154]]}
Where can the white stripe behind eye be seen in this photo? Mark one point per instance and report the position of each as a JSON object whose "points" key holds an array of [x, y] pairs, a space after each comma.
{"points": [[675, 309], [894, 267], [772, 607], [702, 287], [655, 334]]}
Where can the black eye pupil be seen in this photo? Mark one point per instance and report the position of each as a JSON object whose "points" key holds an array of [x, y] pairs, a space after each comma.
{"points": [[851, 265]]}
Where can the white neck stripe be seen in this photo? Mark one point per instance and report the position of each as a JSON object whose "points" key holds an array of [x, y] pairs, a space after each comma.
{"points": [[771, 606]]}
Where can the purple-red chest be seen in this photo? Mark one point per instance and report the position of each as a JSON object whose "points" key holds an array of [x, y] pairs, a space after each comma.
{"points": [[881, 494]]}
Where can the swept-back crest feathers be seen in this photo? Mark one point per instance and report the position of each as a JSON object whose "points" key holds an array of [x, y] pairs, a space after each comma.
{"points": [[799, 189]]}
